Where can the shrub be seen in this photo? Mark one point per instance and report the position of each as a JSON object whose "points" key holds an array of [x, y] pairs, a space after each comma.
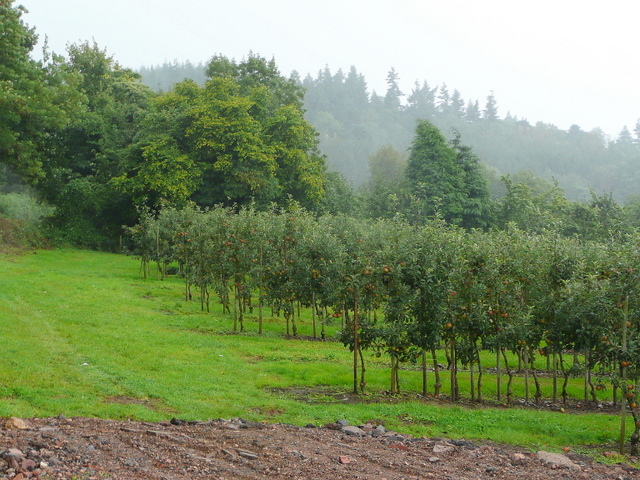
{"points": [[21, 220]]}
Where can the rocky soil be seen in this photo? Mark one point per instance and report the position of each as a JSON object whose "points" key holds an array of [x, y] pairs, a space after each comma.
{"points": [[90, 449]]}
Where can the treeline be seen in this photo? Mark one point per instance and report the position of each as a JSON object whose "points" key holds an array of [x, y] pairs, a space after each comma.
{"points": [[354, 123], [163, 77], [408, 291], [97, 144], [92, 146]]}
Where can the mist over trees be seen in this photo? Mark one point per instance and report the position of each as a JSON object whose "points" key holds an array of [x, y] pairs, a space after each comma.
{"points": [[94, 143], [354, 123], [163, 77]]}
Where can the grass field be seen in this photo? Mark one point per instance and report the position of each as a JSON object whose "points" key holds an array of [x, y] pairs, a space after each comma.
{"points": [[83, 335]]}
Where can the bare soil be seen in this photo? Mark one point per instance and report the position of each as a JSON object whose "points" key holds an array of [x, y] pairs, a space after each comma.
{"points": [[91, 449]]}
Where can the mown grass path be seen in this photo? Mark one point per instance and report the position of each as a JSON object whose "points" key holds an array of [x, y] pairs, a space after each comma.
{"points": [[83, 335]]}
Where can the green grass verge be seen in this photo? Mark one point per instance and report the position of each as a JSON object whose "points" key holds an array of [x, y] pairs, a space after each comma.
{"points": [[83, 335]]}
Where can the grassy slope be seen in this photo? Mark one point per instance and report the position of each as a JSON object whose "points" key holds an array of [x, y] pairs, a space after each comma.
{"points": [[82, 334]]}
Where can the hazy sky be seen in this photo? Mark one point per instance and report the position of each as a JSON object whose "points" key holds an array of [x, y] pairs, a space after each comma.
{"points": [[556, 61]]}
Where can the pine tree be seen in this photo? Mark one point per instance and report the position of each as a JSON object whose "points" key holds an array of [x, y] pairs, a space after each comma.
{"points": [[434, 177], [422, 101], [392, 99], [444, 99], [457, 103], [491, 108], [446, 179], [472, 112], [477, 207]]}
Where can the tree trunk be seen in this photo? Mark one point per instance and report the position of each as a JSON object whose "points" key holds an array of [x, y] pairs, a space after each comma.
{"points": [[565, 374], [260, 306], [510, 376], [623, 375], [240, 308], [313, 314], [587, 381], [454, 373], [260, 286], [235, 310], [538, 395], [394, 377], [355, 340], [345, 318], [363, 369], [498, 372], [287, 318], [479, 389], [548, 361], [424, 372], [187, 288], [294, 325], [524, 353], [554, 374], [472, 381], [436, 373], [323, 332]]}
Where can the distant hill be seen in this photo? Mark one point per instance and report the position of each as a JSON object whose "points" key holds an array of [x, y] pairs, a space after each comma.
{"points": [[354, 123]]}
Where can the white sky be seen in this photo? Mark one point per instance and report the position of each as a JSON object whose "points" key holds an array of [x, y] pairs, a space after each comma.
{"points": [[556, 61]]}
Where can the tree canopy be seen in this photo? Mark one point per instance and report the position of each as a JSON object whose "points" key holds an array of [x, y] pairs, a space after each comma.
{"points": [[240, 137], [36, 97], [98, 144]]}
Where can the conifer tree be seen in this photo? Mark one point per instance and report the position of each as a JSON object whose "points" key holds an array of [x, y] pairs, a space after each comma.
{"points": [[446, 179]]}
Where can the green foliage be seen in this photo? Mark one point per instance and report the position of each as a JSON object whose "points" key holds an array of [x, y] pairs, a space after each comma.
{"points": [[227, 142], [24, 207], [354, 124], [384, 195], [36, 97], [90, 151], [23, 218], [339, 197], [522, 296], [446, 179], [477, 207], [240, 138], [243, 132], [162, 78], [433, 174], [164, 173]]}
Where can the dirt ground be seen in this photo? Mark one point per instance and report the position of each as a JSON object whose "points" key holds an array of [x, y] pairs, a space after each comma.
{"points": [[90, 449]]}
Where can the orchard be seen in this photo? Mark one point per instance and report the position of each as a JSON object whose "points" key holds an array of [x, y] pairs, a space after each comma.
{"points": [[414, 293]]}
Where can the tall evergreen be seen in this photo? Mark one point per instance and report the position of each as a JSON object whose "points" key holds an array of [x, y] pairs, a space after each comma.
{"points": [[477, 204], [491, 108], [434, 176], [446, 179], [393, 97]]}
